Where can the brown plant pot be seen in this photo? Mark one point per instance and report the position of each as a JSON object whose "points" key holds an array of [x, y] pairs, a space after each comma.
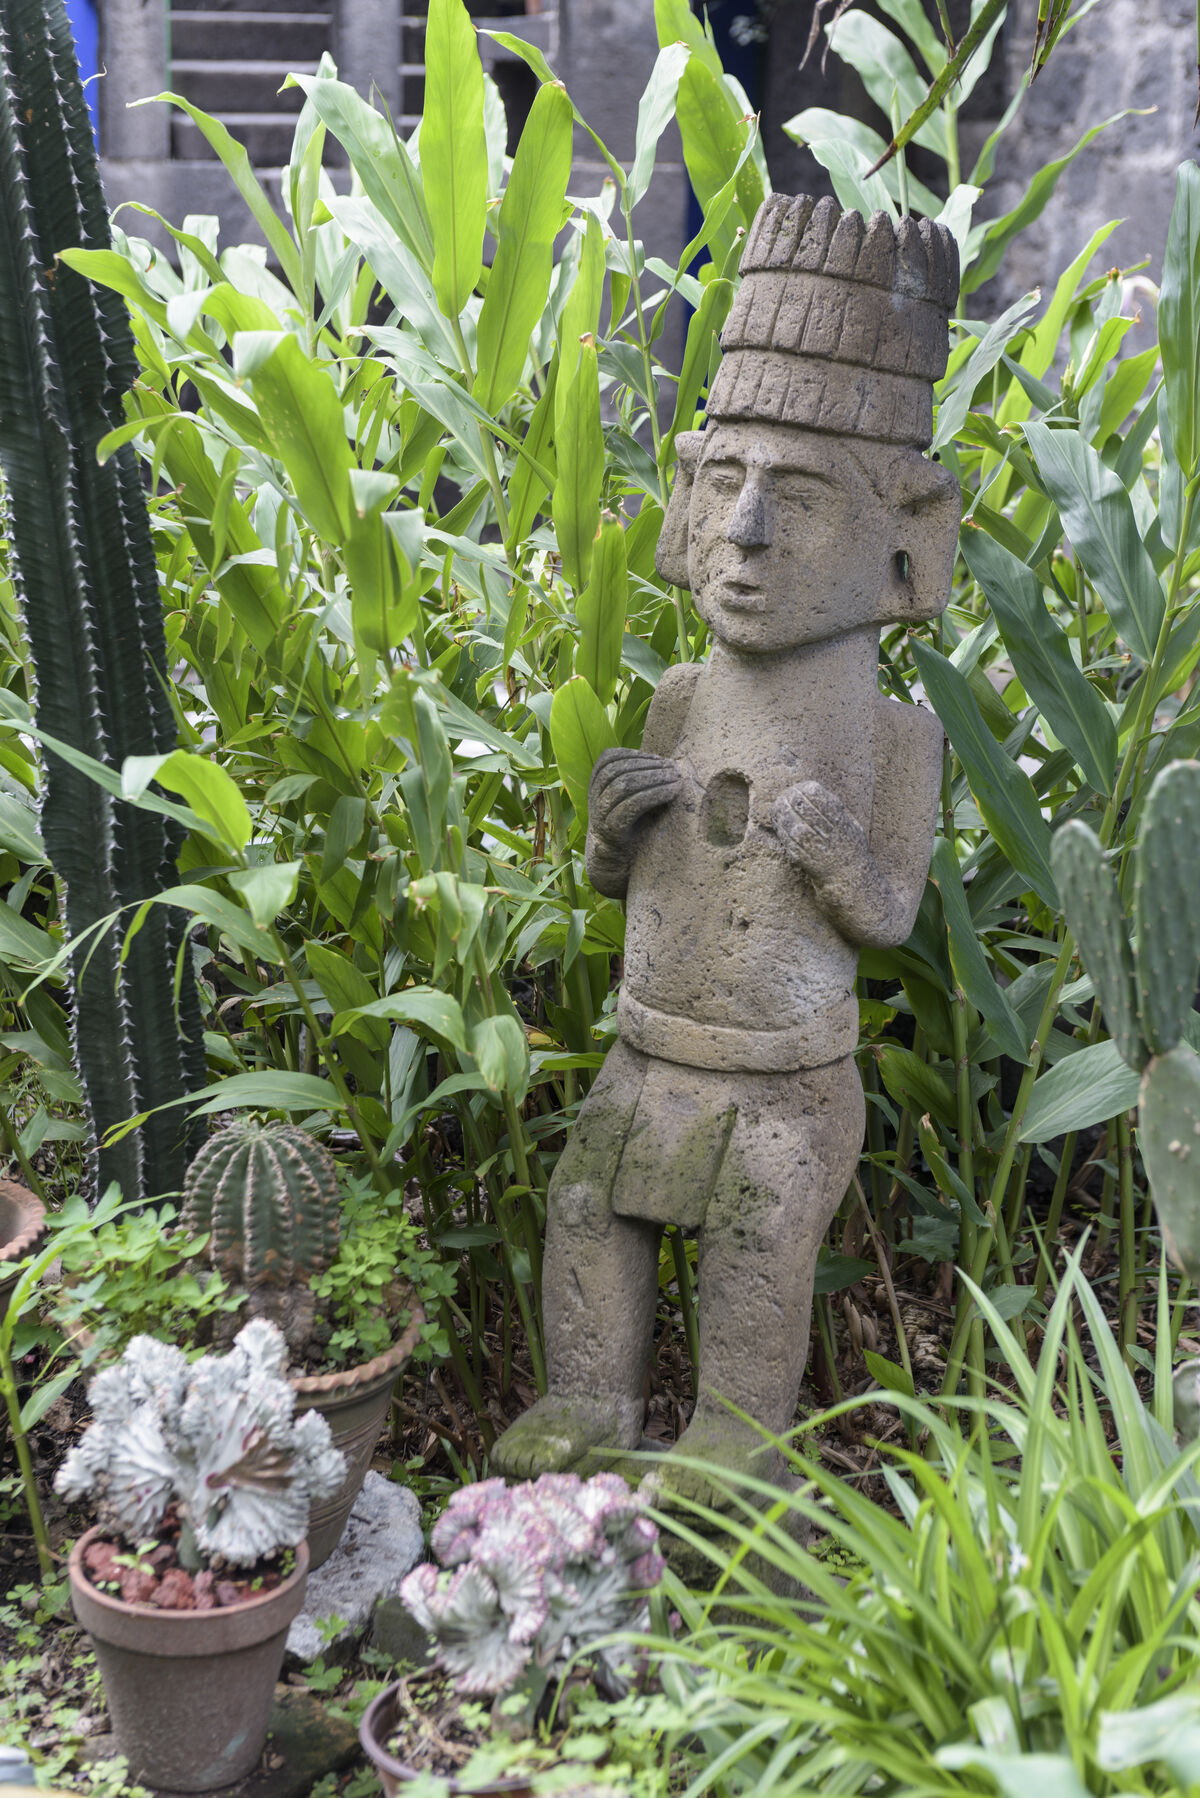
{"points": [[378, 1724], [22, 1221], [189, 1692], [354, 1403]]}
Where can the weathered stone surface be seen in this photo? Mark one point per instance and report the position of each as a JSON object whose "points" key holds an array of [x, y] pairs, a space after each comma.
{"points": [[777, 818], [382, 1542], [396, 1633]]}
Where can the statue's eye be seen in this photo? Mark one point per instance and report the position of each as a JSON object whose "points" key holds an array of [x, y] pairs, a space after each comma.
{"points": [[724, 478]]}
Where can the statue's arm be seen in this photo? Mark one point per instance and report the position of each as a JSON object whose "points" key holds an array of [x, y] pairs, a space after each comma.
{"points": [[870, 885], [627, 785]]}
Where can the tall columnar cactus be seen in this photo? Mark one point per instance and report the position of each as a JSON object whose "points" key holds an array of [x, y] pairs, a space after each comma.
{"points": [[83, 565], [1146, 988], [268, 1193]]}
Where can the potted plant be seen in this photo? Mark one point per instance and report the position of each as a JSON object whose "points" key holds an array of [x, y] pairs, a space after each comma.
{"points": [[267, 1198], [532, 1578], [271, 1227], [22, 1220], [203, 1477]]}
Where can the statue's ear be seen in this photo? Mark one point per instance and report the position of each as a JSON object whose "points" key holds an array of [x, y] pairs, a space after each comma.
{"points": [[671, 556], [922, 525]]}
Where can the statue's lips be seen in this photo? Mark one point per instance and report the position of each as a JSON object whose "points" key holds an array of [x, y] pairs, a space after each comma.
{"points": [[738, 596]]}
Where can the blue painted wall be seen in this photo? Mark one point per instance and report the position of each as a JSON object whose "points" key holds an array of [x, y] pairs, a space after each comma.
{"points": [[82, 14]]}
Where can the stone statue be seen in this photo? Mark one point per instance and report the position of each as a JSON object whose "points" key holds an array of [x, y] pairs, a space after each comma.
{"points": [[778, 816]]}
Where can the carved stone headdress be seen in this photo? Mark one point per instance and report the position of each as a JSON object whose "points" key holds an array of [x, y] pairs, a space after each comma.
{"points": [[840, 323]]}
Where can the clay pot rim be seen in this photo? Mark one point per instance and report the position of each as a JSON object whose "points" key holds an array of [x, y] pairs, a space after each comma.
{"points": [[345, 1379], [383, 1762], [30, 1206], [124, 1607]]}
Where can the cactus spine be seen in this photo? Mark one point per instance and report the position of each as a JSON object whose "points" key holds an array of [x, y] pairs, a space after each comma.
{"points": [[268, 1193], [83, 565]]}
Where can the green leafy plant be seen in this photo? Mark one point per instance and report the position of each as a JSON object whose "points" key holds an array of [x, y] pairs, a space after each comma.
{"points": [[1032, 1573]]}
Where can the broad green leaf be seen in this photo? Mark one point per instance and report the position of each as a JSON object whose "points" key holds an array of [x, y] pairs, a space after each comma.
{"points": [[601, 611], [817, 127], [345, 987], [1018, 1775], [1005, 797], [1179, 319], [849, 170], [530, 216], [1042, 657], [912, 19], [44, 1395], [675, 22], [398, 272], [702, 345], [580, 447], [302, 411], [952, 410], [887, 1374], [437, 1014], [1098, 517], [454, 163], [655, 111], [580, 732], [1085, 1088], [501, 1053], [913, 1083], [714, 136], [378, 158], [267, 889], [236, 161], [277, 1090], [968, 960], [581, 311], [884, 66], [212, 794]]}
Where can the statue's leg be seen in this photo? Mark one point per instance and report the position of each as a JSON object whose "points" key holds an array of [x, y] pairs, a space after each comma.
{"points": [[789, 1161], [599, 1289]]}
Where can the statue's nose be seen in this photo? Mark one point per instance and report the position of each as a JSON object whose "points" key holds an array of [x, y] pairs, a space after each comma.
{"points": [[747, 525]]}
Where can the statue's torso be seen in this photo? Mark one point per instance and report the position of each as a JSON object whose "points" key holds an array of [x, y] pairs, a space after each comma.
{"points": [[729, 962]]}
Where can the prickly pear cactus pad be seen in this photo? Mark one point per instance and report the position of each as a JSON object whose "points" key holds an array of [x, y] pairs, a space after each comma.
{"points": [[1167, 904], [1169, 1140], [1093, 909]]}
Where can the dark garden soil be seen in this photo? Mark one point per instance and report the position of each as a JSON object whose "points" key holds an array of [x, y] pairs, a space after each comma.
{"points": [[154, 1575]]}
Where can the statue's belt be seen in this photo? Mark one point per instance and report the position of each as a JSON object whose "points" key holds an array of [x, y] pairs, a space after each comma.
{"points": [[825, 1037]]}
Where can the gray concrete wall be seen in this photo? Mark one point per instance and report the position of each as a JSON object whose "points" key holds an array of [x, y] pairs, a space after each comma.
{"points": [[1125, 53]]}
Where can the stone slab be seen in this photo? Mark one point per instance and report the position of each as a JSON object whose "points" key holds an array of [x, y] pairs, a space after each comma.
{"points": [[383, 1541]]}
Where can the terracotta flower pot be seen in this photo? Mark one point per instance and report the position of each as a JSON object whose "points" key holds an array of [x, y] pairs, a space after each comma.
{"points": [[378, 1725], [22, 1220], [354, 1402], [189, 1692]]}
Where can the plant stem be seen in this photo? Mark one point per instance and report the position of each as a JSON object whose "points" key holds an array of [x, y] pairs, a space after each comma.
{"points": [[329, 1059], [1127, 1276], [33, 1505], [1054, 1218], [687, 1303]]}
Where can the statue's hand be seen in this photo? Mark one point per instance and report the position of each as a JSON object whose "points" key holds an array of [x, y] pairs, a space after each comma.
{"points": [[819, 833], [626, 784]]}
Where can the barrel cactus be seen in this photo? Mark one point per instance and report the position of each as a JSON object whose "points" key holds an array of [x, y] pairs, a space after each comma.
{"points": [[267, 1197]]}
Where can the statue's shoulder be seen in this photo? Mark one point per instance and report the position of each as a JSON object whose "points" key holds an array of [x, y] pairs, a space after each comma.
{"points": [[914, 724], [669, 707]]}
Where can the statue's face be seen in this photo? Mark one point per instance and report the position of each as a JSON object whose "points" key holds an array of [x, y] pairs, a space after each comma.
{"points": [[782, 534]]}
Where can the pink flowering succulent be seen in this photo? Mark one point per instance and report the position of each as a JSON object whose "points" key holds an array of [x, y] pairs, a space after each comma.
{"points": [[531, 1575]]}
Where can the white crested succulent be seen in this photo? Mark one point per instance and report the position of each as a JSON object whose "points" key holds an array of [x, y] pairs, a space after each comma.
{"points": [[216, 1436], [531, 1574]]}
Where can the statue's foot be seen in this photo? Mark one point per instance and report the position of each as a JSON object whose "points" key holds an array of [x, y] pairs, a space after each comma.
{"points": [[723, 1449], [559, 1432]]}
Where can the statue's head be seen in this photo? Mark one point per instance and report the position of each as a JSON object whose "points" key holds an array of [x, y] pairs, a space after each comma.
{"points": [[806, 509]]}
